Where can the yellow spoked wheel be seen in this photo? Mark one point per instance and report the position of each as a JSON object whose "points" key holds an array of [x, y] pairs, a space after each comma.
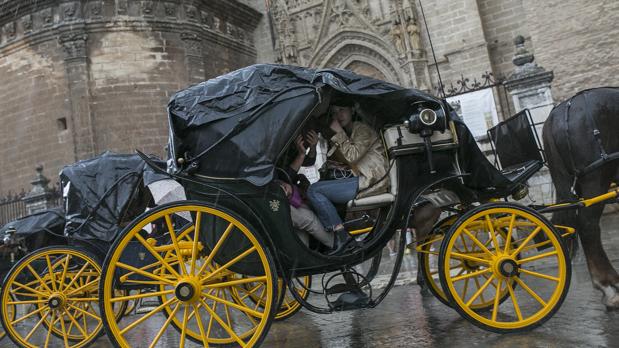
{"points": [[188, 264], [52, 291], [427, 256], [428, 252], [508, 256], [11, 315], [288, 305]]}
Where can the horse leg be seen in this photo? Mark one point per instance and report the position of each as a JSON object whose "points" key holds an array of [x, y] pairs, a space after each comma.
{"points": [[603, 275]]}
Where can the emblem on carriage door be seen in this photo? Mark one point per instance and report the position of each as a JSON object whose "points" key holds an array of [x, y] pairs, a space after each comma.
{"points": [[274, 205], [142, 256]]}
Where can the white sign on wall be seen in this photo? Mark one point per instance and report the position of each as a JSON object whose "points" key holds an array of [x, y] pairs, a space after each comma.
{"points": [[477, 109]]}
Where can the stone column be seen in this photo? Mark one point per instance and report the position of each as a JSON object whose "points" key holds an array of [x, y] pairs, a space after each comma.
{"points": [[529, 86], [41, 197], [74, 47]]}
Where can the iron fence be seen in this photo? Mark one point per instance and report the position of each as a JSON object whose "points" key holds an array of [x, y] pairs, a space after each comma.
{"points": [[12, 207]]}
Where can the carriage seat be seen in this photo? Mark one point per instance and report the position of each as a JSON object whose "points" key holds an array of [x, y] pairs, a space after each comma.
{"points": [[379, 200], [399, 141], [520, 173]]}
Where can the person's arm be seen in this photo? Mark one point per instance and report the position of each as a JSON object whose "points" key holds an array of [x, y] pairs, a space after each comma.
{"points": [[312, 140], [354, 149], [296, 164]]}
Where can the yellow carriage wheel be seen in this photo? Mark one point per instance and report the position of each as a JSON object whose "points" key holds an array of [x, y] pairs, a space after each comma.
{"points": [[189, 270], [51, 291], [11, 315], [541, 270], [428, 257], [288, 305]]}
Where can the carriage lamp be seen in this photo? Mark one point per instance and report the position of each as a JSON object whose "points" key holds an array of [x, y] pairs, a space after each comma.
{"points": [[8, 235], [428, 117]]}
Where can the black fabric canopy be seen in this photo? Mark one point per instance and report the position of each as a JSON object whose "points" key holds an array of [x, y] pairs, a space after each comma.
{"points": [[98, 191], [237, 125], [50, 220]]}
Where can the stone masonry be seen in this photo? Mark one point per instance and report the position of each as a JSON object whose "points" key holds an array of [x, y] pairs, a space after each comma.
{"points": [[81, 77]]}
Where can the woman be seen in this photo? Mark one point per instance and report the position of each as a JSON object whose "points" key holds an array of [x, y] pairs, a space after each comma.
{"points": [[362, 170]]}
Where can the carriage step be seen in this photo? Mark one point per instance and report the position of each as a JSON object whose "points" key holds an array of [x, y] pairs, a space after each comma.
{"points": [[350, 300], [353, 295]]}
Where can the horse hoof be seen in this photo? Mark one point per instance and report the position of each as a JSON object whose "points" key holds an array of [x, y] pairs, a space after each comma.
{"points": [[610, 298]]}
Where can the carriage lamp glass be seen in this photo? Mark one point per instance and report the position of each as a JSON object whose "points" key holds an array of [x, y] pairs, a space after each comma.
{"points": [[8, 236], [428, 117]]}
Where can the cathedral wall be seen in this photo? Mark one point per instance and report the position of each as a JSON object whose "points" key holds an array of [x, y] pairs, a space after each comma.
{"points": [[82, 77], [503, 20], [33, 94], [578, 40], [459, 40]]}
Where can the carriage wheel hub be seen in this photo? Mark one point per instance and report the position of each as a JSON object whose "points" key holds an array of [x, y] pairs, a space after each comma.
{"points": [[188, 290], [56, 301], [506, 267]]}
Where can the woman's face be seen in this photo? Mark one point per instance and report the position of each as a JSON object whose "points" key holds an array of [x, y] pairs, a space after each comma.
{"points": [[343, 114]]}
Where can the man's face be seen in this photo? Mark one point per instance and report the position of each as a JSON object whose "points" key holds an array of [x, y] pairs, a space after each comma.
{"points": [[343, 114]]}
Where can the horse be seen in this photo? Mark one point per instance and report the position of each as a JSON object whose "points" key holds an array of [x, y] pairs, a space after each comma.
{"points": [[582, 151]]}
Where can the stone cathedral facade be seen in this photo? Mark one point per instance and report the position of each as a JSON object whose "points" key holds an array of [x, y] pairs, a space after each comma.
{"points": [[78, 77]]}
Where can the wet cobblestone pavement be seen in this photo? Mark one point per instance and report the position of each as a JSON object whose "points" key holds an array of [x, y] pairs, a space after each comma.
{"points": [[408, 318]]}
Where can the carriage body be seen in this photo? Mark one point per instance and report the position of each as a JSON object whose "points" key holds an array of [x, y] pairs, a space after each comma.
{"points": [[228, 136]]}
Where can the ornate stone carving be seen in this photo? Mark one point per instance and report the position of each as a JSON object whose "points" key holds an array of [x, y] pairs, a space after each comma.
{"points": [[69, 11], [397, 38], [47, 17], [95, 9], [340, 14], [73, 45], [10, 31], [170, 9], [27, 23], [191, 13], [413, 34], [205, 19], [216, 23], [230, 29], [147, 8], [193, 44], [121, 7]]}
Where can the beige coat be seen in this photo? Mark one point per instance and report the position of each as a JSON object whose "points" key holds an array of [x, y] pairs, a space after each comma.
{"points": [[365, 154]]}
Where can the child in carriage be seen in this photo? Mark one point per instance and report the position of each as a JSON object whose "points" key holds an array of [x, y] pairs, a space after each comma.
{"points": [[304, 220]]}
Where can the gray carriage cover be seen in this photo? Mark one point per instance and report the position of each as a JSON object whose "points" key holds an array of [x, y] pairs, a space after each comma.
{"points": [[50, 220], [237, 125], [97, 193]]}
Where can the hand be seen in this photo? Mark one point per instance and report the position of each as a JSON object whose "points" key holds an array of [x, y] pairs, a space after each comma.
{"points": [[336, 126], [299, 143], [311, 138]]}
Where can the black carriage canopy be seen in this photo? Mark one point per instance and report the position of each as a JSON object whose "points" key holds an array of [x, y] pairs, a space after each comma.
{"points": [[50, 220], [237, 125], [103, 191]]}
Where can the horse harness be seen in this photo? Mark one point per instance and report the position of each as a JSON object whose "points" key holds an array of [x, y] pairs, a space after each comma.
{"points": [[604, 156]]}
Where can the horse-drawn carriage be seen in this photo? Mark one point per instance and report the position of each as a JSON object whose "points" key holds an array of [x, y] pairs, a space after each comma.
{"points": [[53, 289]]}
